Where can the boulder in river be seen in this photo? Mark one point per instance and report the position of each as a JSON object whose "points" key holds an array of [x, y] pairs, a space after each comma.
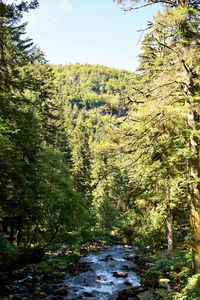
{"points": [[107, 258], [4, 279], [88, 294], [129, 293], [61, 291], [58, 275], [9, 288], [133, 257], [56, 297], [39, 293], [120, 274]]}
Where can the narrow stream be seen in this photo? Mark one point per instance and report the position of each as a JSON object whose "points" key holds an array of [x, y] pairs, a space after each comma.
{"points": [[110, 273]]}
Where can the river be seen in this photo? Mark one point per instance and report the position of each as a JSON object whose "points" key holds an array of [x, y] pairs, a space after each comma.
{"points": [[109, 271]]}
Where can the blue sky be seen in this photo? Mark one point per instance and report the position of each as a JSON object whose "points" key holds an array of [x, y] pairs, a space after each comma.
{"points": [[88, 31]]}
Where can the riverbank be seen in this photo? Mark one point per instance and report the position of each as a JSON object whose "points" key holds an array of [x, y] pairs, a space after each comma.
{"points": [[96, 271], [103, 267]]}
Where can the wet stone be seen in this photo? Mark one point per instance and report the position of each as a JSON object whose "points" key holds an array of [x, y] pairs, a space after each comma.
{"points": [[42, 295], [41, 292], [131, 257], [108, 257], [120, 274], [9, 288], [128, 293], [56, 297], [4, 279], [88, 294], [18, 274], [58, 275], [31, 268], [62, 291], [56, 281], [127, 283], [125, 268]]}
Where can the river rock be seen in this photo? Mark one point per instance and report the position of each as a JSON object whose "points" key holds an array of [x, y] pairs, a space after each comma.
{"points": [[125, 268], [9, 288], [133, 257], [39, 293], [47, 287], [77, 268], [127, 283], [120, 274], [4, 279], [108, 258], [150, 281], [18, 274], [130, 293], [56, 281], [164, 283], [150, 294], [58, 275], [56, 297], [42, 295], [88, 294], [61, 291], [31, 268]]}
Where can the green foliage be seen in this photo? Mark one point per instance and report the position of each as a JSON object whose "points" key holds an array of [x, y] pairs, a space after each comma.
{"points": [[7, 252], [108, 215], [35, 175], [57, 263], [6, 248], [191, 290], [176, 268]]}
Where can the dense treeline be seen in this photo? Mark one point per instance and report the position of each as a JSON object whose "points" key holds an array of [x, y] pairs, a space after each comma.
{"points": [[88, 152], [93, 102], [38, 198], [166, 120], [50, 118]]}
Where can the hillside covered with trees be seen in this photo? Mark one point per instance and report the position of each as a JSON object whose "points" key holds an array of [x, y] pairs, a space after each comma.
{"points": [[90, 154]]}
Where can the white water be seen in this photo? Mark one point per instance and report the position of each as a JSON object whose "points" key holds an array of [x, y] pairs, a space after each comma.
{"points": [[99, 282]]}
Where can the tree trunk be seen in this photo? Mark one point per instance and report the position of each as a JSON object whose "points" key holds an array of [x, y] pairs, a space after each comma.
{"points": [[12, 234], [169, 218], [191, 90], [4, 226], [194, 188], [19, 236]]}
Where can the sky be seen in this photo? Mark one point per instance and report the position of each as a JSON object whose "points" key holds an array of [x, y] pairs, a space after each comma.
{"points": [[88, 31]]}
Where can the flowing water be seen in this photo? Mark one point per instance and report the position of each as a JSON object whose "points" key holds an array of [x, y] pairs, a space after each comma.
{"points": [[100, 282], [109, 271]]}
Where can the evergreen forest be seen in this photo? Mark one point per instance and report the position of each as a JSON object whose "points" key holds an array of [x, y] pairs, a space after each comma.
{"points": [[92, 156]]}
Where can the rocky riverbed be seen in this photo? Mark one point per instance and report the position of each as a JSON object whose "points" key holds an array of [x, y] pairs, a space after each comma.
{"points": [[111, 273]]}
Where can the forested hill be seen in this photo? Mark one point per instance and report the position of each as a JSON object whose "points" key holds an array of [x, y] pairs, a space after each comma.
{"points": [[93, 87], [94, 100]]}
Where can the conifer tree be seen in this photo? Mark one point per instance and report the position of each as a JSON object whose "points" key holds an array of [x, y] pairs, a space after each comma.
{"points": [[169, 71]]}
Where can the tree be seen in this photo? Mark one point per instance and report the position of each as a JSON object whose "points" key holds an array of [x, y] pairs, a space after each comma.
{"points": [[15, 53], [35, 179], [133, 4], [169, 74]]}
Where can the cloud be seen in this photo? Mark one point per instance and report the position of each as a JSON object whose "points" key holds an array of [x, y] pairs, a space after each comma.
{"points": [[46, 17], [66, 4]]}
